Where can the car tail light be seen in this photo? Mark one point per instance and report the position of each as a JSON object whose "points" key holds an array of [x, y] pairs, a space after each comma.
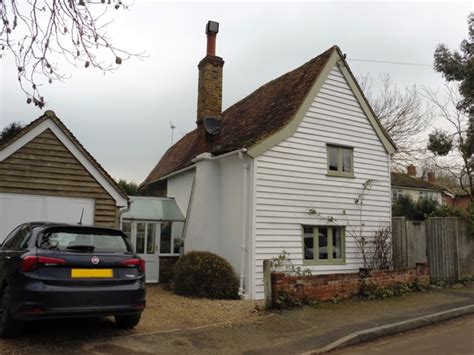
{"points": [[36, 310], [135, 262], [29, 263]]}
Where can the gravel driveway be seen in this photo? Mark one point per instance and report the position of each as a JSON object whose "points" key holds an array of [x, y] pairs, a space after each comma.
{"points": [[164, 311], [167, 311]]}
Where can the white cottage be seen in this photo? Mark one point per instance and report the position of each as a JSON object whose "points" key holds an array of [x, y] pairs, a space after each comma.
{"points": [[280, 170]]}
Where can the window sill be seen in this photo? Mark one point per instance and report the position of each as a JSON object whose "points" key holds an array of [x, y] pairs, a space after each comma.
{"points": [[323, 262], [339, 174]]}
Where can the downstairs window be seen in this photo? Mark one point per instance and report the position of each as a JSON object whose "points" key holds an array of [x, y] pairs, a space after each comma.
{"points": [[323, 245]]}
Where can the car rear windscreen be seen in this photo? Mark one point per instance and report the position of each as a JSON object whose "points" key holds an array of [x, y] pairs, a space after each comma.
{"points": [[76, 240]]}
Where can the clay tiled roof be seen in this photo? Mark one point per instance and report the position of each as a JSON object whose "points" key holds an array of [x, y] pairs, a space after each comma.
{"points": [[405, 180], [51, 115], [254, 118]]}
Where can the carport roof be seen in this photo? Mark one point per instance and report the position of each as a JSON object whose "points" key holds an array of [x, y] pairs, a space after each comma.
{"points": [[153, 209]]}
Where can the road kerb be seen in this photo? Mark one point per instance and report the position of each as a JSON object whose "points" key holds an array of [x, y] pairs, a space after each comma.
{"points": [[394, 328]]}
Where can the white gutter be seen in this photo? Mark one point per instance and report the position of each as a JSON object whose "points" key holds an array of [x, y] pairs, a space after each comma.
{"points": [[174, 173], [203, 156], [209, 156], [243, 246]]}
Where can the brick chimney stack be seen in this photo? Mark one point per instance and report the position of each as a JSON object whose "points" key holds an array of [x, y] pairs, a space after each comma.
{"points": [[411, 170], [431, 177], [210, 78]]}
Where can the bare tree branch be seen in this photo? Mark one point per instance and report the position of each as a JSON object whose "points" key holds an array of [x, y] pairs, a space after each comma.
{"points": [[39, 32], [403, 113], [459, 162]]}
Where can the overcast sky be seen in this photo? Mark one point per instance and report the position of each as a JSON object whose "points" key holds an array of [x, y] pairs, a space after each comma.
{"points": [[122, 118]]}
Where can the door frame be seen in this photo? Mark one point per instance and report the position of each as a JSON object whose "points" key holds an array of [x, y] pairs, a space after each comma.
{"points": [[133, 238]]}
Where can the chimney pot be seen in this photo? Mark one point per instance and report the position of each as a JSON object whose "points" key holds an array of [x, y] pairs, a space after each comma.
{"points": [[411, 170], [212, 29]]}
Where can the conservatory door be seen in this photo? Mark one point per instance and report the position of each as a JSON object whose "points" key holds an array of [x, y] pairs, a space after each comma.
{"points": [[144, 236]]}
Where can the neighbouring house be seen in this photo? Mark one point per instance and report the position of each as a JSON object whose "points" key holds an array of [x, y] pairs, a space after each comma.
{"points": [[410, 185], [457, 198], [283, 169], [47, 175], [154, 226], [415, 187]]}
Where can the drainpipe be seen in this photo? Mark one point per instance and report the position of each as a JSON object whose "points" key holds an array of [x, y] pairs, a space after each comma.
{"points": [[123, 210], [243, 251]]}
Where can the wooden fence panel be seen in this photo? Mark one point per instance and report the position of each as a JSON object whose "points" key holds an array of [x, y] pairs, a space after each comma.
{"points": [[416, 243], [445, 243], [450, 248], [466, 249], [408, 243], [399, 247]]}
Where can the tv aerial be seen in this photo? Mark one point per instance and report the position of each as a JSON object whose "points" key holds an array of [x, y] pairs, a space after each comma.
{"points": [[172, 127]]}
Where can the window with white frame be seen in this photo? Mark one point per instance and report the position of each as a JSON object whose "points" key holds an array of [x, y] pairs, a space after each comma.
{"points": [[427, 195], [152, 237], [396, 194], [323, 245]]}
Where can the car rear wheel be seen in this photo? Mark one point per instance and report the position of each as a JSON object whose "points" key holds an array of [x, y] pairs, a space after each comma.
{"points": [[9, 327], [128, 321]]}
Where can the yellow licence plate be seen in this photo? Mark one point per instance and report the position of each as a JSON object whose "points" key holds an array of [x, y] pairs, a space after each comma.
{"points": [[91, 273]]}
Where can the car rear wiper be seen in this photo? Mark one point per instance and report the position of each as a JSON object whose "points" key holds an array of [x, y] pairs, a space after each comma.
{"points": [[88, 248]]}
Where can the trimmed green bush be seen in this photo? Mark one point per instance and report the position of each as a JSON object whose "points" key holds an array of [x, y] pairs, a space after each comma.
{"points": [[206, 275]]}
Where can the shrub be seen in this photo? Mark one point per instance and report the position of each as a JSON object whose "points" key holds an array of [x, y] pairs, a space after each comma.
{"points": [[445, 211], [417, 211], [204, 274], [466, 279]]}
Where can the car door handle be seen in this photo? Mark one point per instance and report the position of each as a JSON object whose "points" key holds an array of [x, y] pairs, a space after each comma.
{"points": [[8, 257]]}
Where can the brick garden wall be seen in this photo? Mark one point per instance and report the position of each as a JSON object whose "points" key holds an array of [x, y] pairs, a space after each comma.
{"points": [[341, 286]]}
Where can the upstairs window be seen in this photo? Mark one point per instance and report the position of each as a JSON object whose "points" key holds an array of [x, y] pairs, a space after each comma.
{"points": [[323, 245], [340, 161]]}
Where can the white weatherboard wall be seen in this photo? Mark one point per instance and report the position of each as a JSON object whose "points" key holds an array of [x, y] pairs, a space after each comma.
{"points": [[18, 208], [291, 179]]}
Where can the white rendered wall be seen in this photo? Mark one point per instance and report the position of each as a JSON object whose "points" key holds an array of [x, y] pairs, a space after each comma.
{"points": [[179, 187], [416, 195], [215, 216]]}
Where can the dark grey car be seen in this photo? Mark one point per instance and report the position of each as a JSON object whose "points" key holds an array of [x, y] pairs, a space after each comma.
{"points": [[64, 271]]}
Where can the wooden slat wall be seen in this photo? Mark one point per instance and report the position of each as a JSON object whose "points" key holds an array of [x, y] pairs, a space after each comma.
{"points": [[291, 179], [45, 166]]}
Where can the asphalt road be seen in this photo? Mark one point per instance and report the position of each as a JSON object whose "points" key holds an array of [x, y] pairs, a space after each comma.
{"points": [[455, 337]]}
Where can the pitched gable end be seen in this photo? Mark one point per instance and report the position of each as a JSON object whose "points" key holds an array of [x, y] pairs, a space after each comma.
{"points": [[335, 61], [50, 126]]}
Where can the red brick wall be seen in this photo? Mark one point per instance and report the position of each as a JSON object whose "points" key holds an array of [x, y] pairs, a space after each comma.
{"points": [[342, 286], [462, 203]]}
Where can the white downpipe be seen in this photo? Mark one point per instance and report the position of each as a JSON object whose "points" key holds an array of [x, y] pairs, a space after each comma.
{"points": [[243, 250]]}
